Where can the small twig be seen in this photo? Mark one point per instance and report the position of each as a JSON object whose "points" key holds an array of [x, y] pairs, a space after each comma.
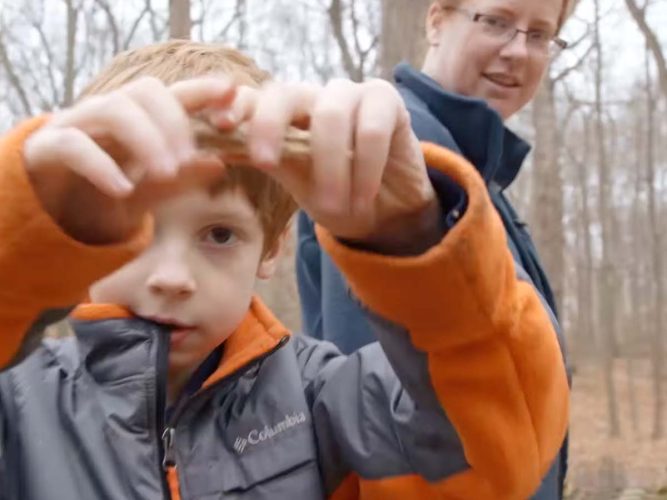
{"points": [[234, 145]]}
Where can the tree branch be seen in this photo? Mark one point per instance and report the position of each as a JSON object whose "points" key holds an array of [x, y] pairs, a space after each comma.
{"points": [[575, 66], [336, 18], [14, 80], [46, 47], [238, 10], [111, 21], [134, 27], [639, 15]]}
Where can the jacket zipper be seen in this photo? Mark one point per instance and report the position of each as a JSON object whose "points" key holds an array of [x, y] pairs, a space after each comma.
{"points": [[168, 459], [169, 433], [160, 402]]}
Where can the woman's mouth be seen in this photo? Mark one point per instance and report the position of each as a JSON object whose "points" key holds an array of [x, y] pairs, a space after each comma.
{"points": [[502, 80]]}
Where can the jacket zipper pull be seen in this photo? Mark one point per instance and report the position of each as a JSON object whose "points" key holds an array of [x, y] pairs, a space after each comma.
{"points": [[168, 460]]}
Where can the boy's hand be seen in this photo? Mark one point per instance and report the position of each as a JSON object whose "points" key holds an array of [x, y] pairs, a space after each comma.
{"points": [[367, 182], [87, 161]]}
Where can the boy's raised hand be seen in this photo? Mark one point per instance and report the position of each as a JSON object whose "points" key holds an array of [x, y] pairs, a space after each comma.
{"points": [[99, 166], [86, 162], [368, 181]]}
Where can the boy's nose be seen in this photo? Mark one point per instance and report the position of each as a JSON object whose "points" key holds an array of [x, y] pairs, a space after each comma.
{"points": [[172, 282]]}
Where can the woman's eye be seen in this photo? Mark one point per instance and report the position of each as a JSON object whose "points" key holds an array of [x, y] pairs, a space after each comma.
{"points": [[496, 22], [539, 36], [219, 236]]}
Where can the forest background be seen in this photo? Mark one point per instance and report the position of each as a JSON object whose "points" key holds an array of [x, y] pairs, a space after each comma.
{"points": [[593, 191]]}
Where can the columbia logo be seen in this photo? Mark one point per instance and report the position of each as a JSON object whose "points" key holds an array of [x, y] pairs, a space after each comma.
{"points": [[257, 436], [240, 444]]}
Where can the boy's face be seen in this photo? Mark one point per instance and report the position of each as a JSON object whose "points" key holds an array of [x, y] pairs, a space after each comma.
{"points": [[199, 273]]}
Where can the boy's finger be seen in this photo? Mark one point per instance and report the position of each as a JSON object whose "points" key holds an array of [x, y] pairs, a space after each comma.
{"points": [[118, 117], [244, 102], [200, 93], [167, 114], [76, 150], [240, 110], [376, 122], [275, 107], [332, 131]]}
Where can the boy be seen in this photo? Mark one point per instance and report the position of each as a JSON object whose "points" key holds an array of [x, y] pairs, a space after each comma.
{"points": [[179, 383]]}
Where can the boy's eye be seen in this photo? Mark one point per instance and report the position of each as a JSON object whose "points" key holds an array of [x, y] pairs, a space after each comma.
{"points": [[219, 235]]}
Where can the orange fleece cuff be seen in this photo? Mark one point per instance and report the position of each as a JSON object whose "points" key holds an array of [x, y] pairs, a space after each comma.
{"points": [[465, 269], [41, 266]]}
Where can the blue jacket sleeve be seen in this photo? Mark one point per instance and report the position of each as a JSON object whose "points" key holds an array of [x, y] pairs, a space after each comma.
{"points": [[309, 273], [328, 309]]}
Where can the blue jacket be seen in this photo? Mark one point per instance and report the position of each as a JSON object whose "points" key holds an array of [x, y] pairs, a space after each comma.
{"points": [[469, 127]]}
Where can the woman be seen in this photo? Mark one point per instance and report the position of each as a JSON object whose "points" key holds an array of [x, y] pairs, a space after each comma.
{"points": [[484, 63]]}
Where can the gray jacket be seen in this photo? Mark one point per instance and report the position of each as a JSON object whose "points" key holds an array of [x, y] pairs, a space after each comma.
{"points": [[82, 418]]}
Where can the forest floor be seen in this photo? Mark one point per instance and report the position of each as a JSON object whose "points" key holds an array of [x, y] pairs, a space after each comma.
{"points": [[604, 467]]}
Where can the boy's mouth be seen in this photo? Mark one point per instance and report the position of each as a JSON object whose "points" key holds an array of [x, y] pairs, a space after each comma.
{"points": [[178, 330], [178, 335], [171, 323]]}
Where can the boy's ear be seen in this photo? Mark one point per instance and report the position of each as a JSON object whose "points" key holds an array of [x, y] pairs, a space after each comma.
{"points": [[434, 19], [269, 263]]}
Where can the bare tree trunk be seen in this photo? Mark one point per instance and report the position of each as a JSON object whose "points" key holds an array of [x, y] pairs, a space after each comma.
{"points": [[156, 29], [353, 68], [403, 34], [180, 20], [547, 200], [70, 69], [636, 323], [657, 357], [242, 13], [112, 24], [607, 303], [586, 289]]}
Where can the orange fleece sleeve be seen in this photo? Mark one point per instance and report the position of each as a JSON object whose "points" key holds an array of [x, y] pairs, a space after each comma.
{"points": [[41, 267], [493, 355]]}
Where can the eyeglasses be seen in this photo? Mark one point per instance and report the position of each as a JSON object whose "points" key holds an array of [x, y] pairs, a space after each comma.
{"points": [[504, 30]]}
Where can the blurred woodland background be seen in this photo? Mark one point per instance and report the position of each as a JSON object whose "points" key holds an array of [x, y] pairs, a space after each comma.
{"points": [[593, 192]]}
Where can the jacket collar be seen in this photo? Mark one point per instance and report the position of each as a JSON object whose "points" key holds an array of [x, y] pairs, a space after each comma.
{"points": [[477, 129], [258, 334]]}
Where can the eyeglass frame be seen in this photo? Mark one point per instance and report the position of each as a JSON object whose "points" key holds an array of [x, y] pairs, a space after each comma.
{"points": [[475, 17]]}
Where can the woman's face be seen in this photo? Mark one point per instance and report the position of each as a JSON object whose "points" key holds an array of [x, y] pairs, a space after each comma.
{"points": [[465, 59]]}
